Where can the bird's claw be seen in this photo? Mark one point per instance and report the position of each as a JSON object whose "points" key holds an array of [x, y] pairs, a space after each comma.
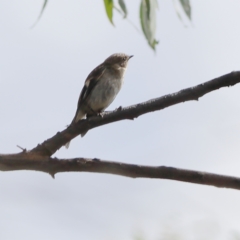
{"points": [[100, 114]]}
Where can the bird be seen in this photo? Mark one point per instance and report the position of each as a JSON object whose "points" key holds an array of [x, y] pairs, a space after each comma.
{"points": [[101, 87]]}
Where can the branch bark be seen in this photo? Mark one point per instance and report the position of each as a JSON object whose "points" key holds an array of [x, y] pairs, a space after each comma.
{"points": [[39, 158], [22, 161], [51, 145]]}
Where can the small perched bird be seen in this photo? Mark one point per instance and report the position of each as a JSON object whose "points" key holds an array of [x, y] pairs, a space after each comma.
{"points": [[101, 87]]}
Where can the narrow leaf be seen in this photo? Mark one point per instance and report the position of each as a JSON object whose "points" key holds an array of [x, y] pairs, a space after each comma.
{"points": [[176, 6], [41, 13], [148, 20], [109, 9], [186, 7], [123, 7]]}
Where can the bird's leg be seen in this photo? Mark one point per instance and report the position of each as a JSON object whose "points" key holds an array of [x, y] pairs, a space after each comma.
{"points": [[100, 113]]}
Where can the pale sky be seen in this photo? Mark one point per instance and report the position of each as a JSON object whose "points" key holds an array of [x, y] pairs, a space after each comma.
{"points": [[42, 71]]}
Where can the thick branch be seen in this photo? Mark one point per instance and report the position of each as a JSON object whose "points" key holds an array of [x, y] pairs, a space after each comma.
{"points": [[50, 146], [39, 158], [52, 166]]}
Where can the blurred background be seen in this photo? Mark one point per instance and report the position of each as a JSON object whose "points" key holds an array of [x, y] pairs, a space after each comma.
{"points": [[42, 71]]}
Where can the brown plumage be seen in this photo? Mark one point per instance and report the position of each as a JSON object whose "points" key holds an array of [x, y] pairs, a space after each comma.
{"points": [[101, 87]]}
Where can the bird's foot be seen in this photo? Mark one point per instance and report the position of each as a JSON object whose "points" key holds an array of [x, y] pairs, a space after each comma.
{"points": [[100, 114]]}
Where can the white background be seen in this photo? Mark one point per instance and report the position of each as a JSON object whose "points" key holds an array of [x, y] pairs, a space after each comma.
{"points": [[42, 71]]}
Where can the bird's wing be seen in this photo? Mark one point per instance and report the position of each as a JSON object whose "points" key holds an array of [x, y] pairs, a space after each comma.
{"points": [[90, 83]]}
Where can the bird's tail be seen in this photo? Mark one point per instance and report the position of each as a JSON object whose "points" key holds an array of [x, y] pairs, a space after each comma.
{"points": [[79, 115]]}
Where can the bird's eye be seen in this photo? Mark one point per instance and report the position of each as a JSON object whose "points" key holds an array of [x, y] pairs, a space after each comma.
{"points": [[124, 58]]}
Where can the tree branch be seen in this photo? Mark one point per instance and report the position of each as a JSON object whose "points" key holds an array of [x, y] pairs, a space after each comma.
{"points": [[52, 166], [39, 159], [51, 145]]}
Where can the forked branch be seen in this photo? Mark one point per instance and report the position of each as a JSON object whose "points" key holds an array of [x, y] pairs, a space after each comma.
{"points": [[39, 158], [51, 145]]}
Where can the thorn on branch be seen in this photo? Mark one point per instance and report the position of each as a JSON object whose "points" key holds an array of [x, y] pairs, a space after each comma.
{"points": [[23, 149], [52, 175], [119, 108], [96, 160], [131, 117]]}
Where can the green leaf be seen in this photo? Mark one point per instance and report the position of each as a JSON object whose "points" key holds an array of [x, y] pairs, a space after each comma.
{"points": [[41, 13], [123, 7], [186, 7], [148, 21], [109, 9]]}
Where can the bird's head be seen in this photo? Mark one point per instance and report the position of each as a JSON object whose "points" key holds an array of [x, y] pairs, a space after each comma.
{"points": [[118, 60]]}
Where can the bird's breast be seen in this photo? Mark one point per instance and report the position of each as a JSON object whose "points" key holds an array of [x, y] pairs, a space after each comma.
{"points": [[105, 90]]}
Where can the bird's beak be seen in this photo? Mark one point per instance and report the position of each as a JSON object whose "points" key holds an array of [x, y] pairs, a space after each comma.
{"points": [[130, 57]]}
